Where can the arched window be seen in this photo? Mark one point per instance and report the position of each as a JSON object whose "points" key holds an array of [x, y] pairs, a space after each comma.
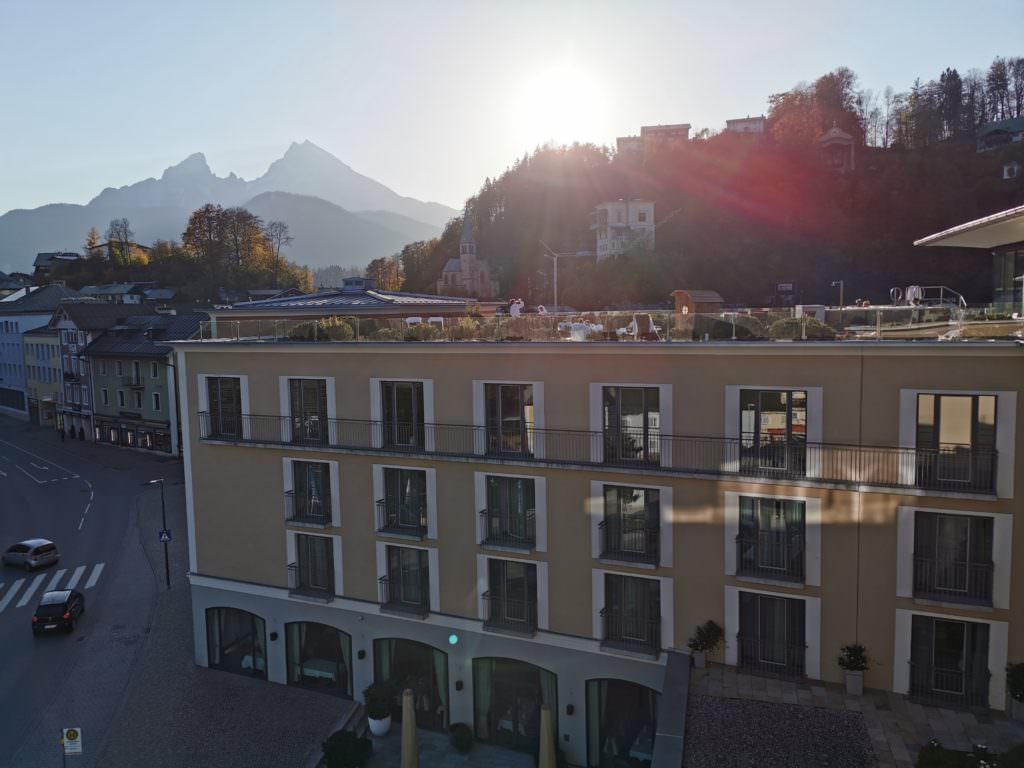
{"points": [[507, 697], [319, 657], [419, 667], [236, 641], [622, 718]]}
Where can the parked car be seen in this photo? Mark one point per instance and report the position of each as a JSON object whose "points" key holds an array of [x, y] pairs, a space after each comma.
{"points": [[58, 611], [31, 554]]}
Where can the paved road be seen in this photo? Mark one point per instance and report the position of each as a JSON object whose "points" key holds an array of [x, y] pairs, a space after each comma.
{"points": [[85, 498]]}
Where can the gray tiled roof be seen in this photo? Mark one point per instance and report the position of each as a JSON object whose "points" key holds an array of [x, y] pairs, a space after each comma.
{"points": [[45, 299], [146, 335], [98, 316]]}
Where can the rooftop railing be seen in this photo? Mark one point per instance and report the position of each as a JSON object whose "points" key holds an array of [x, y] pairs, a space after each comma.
{"points": [[870, 323], [954, 469]]}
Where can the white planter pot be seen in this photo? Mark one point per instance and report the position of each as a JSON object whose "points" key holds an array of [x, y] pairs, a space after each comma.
{"points": [[854, 682], [700, 659], [379, 727]]}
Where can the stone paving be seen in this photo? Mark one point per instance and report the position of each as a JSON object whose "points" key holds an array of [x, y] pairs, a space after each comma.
{"points": [[897, 726], [436, 751]]}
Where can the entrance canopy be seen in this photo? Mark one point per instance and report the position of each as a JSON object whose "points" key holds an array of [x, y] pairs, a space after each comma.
{"points": [[1003, 228]]}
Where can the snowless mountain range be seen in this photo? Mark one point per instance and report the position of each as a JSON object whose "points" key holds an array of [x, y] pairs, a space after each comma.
{"points": [[336, 215]]}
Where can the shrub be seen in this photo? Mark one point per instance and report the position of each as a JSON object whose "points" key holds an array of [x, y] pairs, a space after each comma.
{"points": [[795, 327], [324, 329], [708, 637], [934, 755], [386, 334], [343, 749], [423, 332], [461, 737], [1012, 758], [378, 698], [464, 329], [853, 658], [1015, 680]]}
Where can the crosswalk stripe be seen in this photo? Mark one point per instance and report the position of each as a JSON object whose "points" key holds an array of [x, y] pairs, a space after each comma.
{"points": [[94, 576], [10, 594], [76, 577], [30, 590], [56, 578]]}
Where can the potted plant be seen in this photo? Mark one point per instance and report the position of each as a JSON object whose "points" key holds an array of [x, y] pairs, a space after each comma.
{"points": [[1015, 687], [343, 749], [854, 660], [378, 698], [707, 638]]}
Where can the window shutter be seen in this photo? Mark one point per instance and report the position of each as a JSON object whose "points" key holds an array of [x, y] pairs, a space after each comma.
{"points": [[795, 533], [925, 524], [796, 638], [922, 644]]}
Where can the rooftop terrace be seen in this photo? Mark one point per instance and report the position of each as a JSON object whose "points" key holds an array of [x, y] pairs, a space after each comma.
{"points": [[883, 323]]}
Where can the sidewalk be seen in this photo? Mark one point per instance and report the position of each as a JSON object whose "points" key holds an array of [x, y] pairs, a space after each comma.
{"points": [[896, 726], [178, 715]]}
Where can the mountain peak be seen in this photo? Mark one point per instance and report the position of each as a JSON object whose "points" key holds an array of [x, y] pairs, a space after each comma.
{"points": [[307, 151], [194, 164]]}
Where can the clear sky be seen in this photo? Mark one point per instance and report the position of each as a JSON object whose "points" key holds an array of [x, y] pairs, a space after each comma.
{"points": [[427, 97]]}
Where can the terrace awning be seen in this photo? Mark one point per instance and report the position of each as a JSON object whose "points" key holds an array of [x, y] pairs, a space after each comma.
{"points": [[1001, 228]]}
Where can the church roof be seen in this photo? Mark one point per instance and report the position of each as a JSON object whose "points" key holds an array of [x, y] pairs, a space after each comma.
{"points": [[452, 265], [834, 135], [467, 226]]}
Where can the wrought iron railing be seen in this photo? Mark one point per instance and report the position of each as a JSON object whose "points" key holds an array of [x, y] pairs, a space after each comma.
{"points": [[630, 631], [770, 555], [412, 596], [952, 580], [772, 657], [884, 466], [313, 511], [133, 381], [629, 541], [300, 585], [503, 528], [514, 615], [947, 686], [403, 518]]}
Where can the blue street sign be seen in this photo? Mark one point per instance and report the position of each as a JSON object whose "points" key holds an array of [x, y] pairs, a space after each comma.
{"points": [[165, 535]]}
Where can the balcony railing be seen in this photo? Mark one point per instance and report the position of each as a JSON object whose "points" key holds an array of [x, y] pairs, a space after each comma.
{"points": [[411, 597], [72, 376], [946, 686], [512, 615], [770, 555], [509, 529], [311, 511], [851, 465], [629, 542], [951, 580], [630, 631], [771, 657], [406, 519], [133, 381], [299, 586]]}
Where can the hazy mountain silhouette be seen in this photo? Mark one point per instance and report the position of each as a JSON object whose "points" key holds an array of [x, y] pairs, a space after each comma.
{"points": [[159, 209]]}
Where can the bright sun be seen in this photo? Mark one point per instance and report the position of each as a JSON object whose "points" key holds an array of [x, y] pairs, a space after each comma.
{"points": [[558, 103]]}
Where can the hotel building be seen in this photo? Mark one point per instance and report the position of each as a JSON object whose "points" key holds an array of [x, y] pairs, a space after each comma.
{"points": [[503, 525]]}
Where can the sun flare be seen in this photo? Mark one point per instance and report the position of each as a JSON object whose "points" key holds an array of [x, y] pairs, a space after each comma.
{"points": [[558, 103]]}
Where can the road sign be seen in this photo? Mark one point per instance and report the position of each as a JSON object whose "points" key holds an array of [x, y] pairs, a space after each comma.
{"points": [[72, 740], [165, 535]]}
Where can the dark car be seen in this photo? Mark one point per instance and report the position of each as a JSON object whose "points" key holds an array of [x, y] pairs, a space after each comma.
{"points": [[58, 611]]}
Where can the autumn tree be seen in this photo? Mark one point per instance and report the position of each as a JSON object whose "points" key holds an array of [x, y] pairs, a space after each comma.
{"points": [[92, 242], [278, 237], [119, 241], [387, 271]]}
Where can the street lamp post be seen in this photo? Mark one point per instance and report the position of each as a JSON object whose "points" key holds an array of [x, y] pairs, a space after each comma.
{"points": [[164, 533]]}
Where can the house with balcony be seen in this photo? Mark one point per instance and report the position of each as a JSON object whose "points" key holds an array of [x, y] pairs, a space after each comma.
{"points": [[135, 403], [78, 324], [621, 226], [501, 526]]}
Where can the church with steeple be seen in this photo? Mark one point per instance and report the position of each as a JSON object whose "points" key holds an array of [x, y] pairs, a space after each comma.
{"points": [[467, 275]]}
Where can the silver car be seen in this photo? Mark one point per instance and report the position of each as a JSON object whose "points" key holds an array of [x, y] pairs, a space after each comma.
{"points": [[31, 554]]}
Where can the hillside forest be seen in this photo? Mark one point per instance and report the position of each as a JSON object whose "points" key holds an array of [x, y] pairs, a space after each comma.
{"points": [[739, 214]]}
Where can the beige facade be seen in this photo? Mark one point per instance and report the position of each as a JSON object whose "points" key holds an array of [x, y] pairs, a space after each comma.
{"points": [[863, 485]]}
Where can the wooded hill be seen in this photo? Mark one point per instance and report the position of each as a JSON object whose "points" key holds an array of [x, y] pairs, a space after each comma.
{"points": [[738, 214]]}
